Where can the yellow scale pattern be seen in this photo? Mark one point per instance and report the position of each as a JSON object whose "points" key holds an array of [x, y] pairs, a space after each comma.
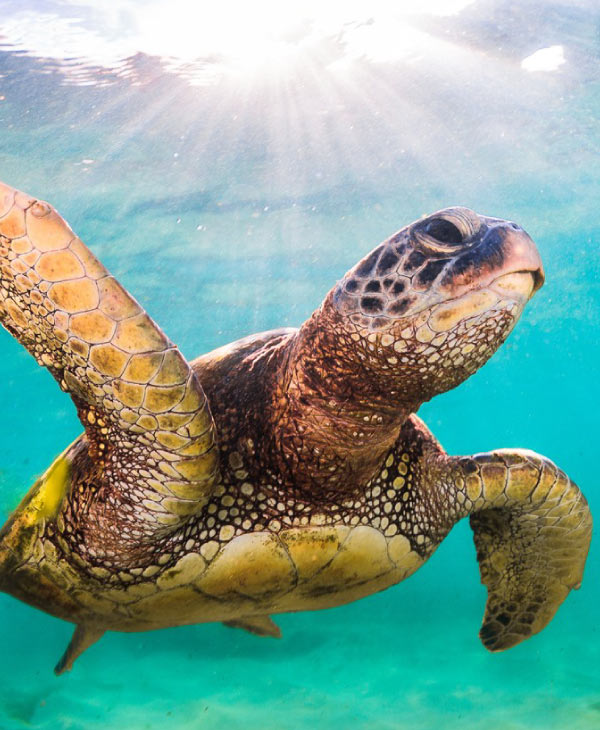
{"points": [[532, 528], [145, 413]]}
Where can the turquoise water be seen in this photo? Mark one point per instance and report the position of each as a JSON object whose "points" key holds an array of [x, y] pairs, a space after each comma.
{"points": [[230, 202]]}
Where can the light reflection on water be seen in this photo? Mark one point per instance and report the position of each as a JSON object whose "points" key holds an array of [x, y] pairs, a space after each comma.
{"points": [[228, 196]]}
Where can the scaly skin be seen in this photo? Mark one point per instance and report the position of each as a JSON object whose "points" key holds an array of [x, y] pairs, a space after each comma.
{"points": [[149, 428], [324, 488]]}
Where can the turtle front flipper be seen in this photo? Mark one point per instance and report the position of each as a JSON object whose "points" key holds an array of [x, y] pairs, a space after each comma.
{"points": [[147, 420], [532, 529]]}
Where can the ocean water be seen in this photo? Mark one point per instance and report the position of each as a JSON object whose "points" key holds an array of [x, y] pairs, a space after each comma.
{"points": [[228, 167]]}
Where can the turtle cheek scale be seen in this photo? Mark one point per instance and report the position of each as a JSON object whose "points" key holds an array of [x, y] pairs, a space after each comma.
{"points": [[416, 358]]}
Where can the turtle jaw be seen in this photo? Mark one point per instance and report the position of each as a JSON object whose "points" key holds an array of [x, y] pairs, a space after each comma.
{"points": [[518, 284]]}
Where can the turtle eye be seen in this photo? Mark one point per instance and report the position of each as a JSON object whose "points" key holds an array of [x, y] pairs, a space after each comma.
{"points": [[444, 231]]}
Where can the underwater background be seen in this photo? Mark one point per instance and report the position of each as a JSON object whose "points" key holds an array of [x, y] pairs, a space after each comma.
{"points": [[228, 164]]}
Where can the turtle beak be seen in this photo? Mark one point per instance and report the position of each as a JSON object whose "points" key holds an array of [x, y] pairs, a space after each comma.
{"points": [[539, 277], [522, 266], [524, 256]]}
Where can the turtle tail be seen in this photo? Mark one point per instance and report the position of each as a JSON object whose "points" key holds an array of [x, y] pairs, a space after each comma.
{"points": [[532, 528]]}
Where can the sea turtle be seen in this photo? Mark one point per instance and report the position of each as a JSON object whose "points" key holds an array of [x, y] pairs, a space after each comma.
{"points": [[286, 471]]}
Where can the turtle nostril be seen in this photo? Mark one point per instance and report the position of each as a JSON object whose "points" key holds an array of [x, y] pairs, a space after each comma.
{"points": [[443, 231]]}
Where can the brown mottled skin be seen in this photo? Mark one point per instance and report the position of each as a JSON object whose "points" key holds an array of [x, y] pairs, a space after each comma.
{"points": [[309, 482]]}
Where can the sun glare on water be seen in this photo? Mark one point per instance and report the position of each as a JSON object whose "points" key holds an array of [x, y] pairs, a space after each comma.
{"points": [[296, 96], [232, 38]]}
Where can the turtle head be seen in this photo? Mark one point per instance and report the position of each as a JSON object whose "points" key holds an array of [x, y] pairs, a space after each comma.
{"points": [[434, 301]]}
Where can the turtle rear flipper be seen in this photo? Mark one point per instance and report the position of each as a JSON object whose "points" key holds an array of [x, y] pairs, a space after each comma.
{"points": [[149, 428], [532, 529], [258, 625], [83, 638]]}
